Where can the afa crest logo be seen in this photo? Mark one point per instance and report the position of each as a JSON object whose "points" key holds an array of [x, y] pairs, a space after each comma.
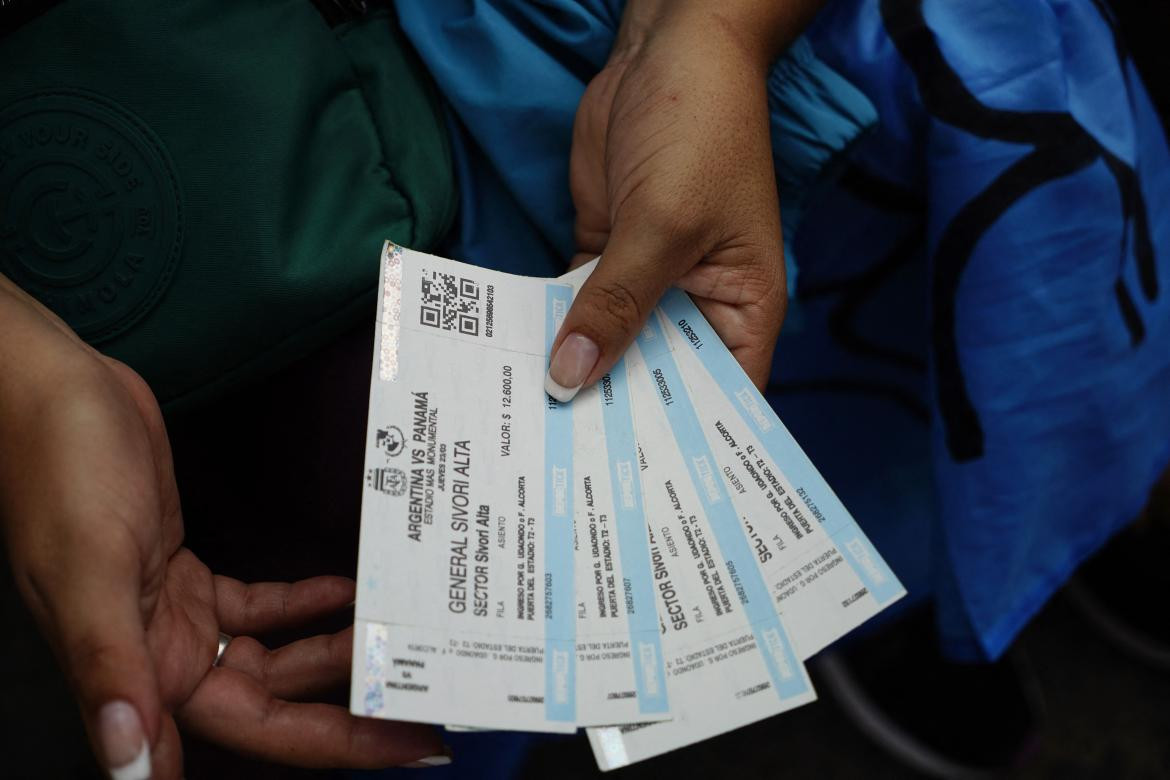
{"points": [[390, 481]]}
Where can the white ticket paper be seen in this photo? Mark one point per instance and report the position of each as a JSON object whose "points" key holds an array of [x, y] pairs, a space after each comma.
{"points": [[619, 637], [656, 557], [822, 571], [816, 567], [465, 610], [503, 574], [618, 629], [731, 659]]}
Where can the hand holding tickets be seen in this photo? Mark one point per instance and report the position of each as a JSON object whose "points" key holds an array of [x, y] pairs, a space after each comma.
{"points": [[654, 559]]}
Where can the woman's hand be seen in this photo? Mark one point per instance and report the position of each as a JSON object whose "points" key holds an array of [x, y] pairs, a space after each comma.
{"points": [[672, 176], [91, 515]]}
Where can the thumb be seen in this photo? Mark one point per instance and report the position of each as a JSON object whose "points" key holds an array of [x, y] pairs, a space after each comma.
{"points": [[104, 651], [609, 310]]}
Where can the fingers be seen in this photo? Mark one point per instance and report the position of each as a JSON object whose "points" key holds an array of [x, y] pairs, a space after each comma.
{"points": [[751, 335], [270, 606], [757, 364], [103, 649], [611, 307], [234, 710], [298, 670], [745, 301]]}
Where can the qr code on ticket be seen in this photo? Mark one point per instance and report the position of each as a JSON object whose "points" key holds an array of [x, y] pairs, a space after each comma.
{"points": [[450, 302]]}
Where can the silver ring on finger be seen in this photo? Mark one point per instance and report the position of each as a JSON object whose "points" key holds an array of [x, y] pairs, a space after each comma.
{"points": [[224, 641]]}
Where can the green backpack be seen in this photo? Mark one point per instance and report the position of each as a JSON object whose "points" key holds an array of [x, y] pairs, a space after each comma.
{"points": [[200, 188]]}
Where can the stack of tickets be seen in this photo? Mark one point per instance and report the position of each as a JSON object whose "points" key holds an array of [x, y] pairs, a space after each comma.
{"points": [[652, 561]]}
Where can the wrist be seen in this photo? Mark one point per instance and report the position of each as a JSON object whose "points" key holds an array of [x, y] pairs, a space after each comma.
{"points": [[758, 29]]}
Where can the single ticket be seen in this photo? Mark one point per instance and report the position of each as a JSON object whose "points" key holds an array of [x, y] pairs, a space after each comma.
{"points": [[466, 608]]}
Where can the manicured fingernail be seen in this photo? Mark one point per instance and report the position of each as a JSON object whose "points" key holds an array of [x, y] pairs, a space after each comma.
{"points": [[127, 752], [571, 366], [432, 761]]}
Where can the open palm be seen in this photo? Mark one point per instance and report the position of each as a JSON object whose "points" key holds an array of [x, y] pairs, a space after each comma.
{"points": [[95, 530]]}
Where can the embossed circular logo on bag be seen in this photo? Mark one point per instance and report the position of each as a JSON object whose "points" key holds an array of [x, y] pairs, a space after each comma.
{"points": [[90, 210]]}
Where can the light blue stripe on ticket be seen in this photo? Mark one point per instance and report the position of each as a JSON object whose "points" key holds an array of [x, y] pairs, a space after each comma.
{"points": [[560, 621], [645, 640], [821, 501], [771, 637]]}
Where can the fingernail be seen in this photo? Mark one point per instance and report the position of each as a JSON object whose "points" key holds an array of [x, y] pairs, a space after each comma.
{"points": [[124, 742], [570, 367], [432, 761]]}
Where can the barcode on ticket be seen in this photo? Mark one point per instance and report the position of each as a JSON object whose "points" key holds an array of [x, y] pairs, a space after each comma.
{"points": [[450, 302]]}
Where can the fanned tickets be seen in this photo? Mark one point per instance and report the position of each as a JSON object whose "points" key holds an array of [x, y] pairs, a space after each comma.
{"points": [[655, 558]]}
